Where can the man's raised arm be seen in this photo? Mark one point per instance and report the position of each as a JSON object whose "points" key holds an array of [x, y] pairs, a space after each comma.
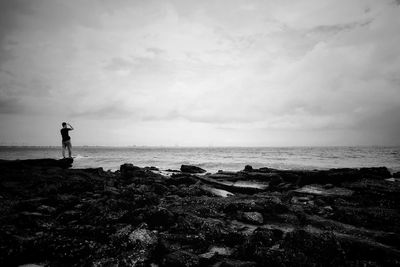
{"points": [[70, 126]]}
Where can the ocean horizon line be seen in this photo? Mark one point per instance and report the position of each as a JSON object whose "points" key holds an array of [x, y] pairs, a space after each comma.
{"points": [[179, 146]]}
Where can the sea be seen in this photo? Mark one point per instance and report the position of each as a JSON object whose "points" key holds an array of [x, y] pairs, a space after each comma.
{"points": [[213, 159]]}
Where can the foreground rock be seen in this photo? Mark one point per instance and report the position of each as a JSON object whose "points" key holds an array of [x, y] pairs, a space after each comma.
{"points": [[54, 216]]}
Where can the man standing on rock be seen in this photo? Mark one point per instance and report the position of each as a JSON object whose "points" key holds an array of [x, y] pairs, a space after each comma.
{"points": [[66, 139]]}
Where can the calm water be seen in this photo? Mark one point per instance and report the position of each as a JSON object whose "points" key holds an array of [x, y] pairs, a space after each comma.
{"points": [[214, 159]]}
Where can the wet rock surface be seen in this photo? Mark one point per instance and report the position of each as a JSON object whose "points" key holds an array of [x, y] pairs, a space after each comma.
{"points": [[191, 169], [51, 215]]}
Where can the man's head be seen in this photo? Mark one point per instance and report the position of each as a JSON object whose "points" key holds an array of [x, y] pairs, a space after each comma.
{"points": [[64, 124]]}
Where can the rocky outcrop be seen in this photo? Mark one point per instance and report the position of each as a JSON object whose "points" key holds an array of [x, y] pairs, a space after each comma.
{"points": [[192, 169], [37, 163], [332, 176], [56, 216], [129, 170], [248, 168]]}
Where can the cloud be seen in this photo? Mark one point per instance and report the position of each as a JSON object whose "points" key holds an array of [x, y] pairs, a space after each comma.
{"points": [[334, 29], [306, 66], [378, 126], [10, 11], [139, 64], [10, 106], [156, 51], [119, 64], [113, 110]]}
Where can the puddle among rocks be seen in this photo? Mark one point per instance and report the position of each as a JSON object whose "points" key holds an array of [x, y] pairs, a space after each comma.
{"points": [[250, 184], [318, 190], [217, 192]]}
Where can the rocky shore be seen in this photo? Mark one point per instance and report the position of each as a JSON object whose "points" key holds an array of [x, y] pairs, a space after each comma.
{"points": [[52, 215]]}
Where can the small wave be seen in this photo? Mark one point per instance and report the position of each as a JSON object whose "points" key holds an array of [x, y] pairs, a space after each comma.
{"points": [[80, 156]]}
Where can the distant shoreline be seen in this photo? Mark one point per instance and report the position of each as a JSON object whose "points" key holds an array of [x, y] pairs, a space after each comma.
{"points": [[138, 146]]}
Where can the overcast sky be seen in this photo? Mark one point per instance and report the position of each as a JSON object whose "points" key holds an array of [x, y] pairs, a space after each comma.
{"points": [[200, 73]]}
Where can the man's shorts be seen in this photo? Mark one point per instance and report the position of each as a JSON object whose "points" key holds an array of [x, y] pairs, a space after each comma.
{"points": [[67, 144]]}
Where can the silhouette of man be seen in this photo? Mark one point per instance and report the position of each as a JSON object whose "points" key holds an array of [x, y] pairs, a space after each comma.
{"points": [[66, 139]]}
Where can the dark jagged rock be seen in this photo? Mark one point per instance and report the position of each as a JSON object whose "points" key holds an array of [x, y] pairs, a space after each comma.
{"points": [[38, 163], [161, 218], [181, 258], [375, 173], [129, 170], [332, 176], [396, 175], [252, 217], [313, 248], [58, 216], [151, 168], [260, 176], [275, 180], [237, 263], [192, 169], [180, 178], [248, 168], [261, 237]]}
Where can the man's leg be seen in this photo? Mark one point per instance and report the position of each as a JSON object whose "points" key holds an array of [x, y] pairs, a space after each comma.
{"points": [[63, 150], [69, 148]]}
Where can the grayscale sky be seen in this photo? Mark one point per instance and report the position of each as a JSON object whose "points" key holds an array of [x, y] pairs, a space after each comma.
{"points": [[200, 73]]}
